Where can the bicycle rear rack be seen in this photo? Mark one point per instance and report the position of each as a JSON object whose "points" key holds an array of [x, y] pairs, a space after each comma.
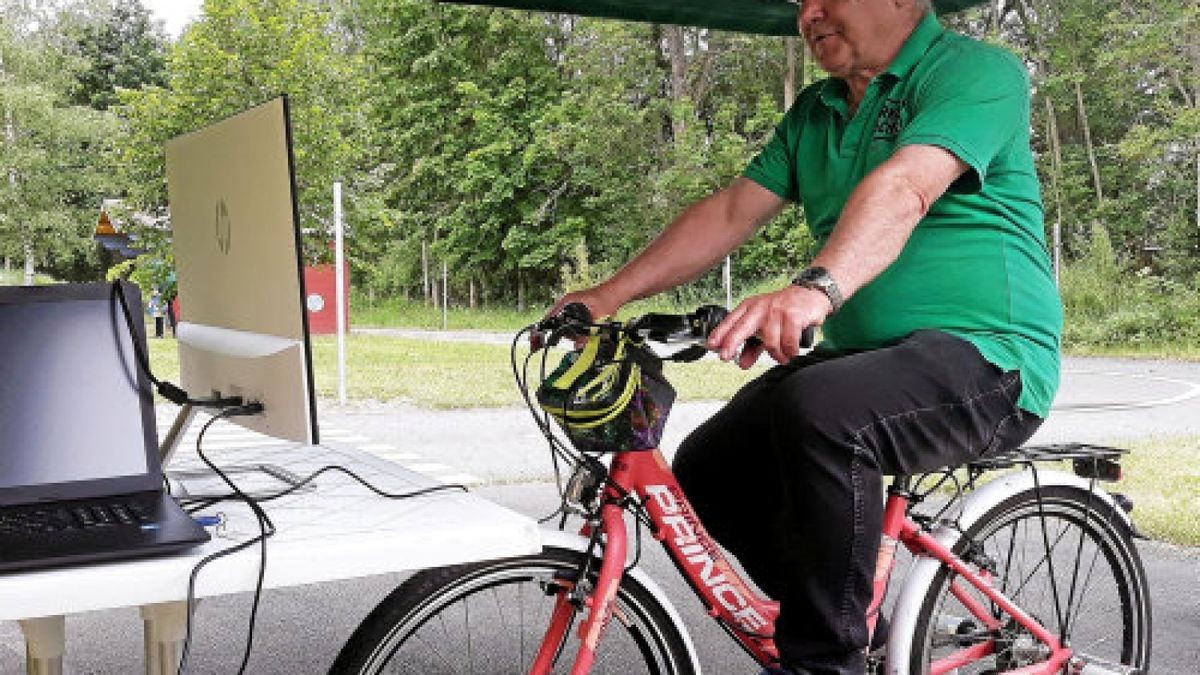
{"points": [[1088, 461]]}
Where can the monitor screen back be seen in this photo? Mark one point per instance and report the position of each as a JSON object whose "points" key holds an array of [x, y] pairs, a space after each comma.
{"points": [[237, 257], [234, 230]]}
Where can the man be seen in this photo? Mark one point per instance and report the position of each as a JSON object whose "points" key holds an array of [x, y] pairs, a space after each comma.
{"points": [[940, 318]]}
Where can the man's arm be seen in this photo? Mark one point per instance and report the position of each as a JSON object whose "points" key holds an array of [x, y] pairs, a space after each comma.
{"points": [[703, 234], [870, 234]]}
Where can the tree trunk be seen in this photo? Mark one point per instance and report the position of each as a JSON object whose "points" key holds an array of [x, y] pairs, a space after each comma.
{"points": [[29, 266], [520, 291], [471, 288], [1055, 171], [1087, 140], [445, 295], [789, 74], [675, 51], [425, 272]]}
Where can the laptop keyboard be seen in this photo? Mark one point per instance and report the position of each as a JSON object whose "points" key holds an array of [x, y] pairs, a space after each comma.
{"points": [[40, 520]]}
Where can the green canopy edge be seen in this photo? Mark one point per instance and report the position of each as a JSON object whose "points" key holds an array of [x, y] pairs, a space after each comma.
{"points": [[765, 17]]}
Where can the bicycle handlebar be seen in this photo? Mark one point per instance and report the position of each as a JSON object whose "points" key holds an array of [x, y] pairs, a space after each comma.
{"points": [[574, 320]]}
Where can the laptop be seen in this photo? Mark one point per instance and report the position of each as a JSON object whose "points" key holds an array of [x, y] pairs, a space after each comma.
{"points": [[80, 477]]}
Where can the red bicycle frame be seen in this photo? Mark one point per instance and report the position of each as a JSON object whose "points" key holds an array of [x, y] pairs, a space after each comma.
{"points": [[729, 599]]}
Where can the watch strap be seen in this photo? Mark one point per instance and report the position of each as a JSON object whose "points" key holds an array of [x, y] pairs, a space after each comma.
{"points": [[818, 278]]}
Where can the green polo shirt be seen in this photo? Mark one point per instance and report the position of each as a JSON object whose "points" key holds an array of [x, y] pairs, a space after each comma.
{"points": [[976, 266]]}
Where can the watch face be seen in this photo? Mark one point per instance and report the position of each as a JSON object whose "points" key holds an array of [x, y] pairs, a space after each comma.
{"points": [[813, 275]]}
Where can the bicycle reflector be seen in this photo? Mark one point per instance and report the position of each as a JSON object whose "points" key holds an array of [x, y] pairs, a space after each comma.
{"points": [[609, 396]]}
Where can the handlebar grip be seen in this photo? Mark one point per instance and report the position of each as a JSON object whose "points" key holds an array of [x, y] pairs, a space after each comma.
{"points": [[576, 312], [706, 318], [807, 338]]}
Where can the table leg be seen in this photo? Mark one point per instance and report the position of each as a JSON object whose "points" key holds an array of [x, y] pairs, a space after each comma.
{"points": [[164, 628], [45, 644]]}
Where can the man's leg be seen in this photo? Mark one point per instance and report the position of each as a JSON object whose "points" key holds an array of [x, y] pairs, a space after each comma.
{"points": [[837, 426], [726, 467]]}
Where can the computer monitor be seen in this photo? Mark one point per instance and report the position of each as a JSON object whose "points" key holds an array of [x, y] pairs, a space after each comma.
{"points": [[243, 328]]}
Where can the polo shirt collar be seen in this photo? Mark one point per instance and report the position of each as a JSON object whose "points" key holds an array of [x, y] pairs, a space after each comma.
{"points": [[928, 30], [922, 38], [833, 95]]}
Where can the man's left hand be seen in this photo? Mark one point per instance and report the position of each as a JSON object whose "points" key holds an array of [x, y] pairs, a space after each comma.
{"points": [[778, 319]]}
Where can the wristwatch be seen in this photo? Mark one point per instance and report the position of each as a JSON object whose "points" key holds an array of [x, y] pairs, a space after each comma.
{"points": [[818, 278]]}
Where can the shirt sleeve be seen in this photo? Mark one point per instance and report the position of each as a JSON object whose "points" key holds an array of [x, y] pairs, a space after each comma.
{"points": [[972, 107], [774, 167]]}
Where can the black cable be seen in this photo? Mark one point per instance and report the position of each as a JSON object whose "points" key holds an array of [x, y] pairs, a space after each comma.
{"points": [[205, 502], [266, 526], [167, 390], [266, 529]]}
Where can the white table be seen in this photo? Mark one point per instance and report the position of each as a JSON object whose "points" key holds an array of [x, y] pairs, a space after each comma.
{"points": [[339, 530]]}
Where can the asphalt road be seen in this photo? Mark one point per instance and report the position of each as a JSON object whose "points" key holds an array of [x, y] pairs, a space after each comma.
{"points": [[300, 629]]}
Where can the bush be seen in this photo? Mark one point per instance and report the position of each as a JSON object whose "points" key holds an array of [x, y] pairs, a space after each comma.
{"points": [[1108, 305]]}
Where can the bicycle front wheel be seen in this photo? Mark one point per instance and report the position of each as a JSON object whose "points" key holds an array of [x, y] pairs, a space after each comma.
{"points": [[1069, 561], [489, 618]]}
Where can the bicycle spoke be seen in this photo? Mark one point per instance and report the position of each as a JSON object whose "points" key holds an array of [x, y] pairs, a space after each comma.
{"points": [[521, 628], [1072, 613], [1040, 547], [467, 630]]}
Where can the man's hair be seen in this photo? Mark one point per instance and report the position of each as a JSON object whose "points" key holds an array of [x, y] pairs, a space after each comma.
{"points": [[923, 5]]}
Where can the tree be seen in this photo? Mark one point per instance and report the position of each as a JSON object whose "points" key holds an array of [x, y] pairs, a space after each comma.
{"points": [[52, 178], [238, 54], [121, 48]]}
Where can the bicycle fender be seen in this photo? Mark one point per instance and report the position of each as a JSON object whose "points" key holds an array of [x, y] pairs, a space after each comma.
{"points": [[573, 542], [975, 505]]}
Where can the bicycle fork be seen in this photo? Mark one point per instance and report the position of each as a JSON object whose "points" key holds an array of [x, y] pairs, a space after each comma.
{"points": [[599, 602]]}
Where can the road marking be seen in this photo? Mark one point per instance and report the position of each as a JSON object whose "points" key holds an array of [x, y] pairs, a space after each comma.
{"points": [[1191, 391], [230, 436]]}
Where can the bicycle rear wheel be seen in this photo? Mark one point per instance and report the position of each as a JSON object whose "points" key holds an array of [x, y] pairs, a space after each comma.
{"points": [[1079, 575], [490, 618]]}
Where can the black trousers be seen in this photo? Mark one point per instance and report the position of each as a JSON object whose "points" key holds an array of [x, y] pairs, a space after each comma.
{"points": [[788, 476]]}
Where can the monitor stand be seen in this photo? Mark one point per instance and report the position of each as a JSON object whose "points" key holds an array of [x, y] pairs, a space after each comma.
{"points": [[204, 484]]}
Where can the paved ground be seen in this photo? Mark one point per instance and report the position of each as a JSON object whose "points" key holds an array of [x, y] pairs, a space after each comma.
{"points": [[300, 629]]}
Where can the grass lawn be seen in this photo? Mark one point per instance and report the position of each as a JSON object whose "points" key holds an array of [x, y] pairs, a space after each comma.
{"points": [[1162, 477], [448, 375]]}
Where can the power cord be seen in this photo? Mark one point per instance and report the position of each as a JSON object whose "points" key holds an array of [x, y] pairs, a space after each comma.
{"points": [[266, 529], [234, 406], [167, 390], [266, 526]]}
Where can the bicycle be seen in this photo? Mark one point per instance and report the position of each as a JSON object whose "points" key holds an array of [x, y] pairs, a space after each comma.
{"points": [[1028, 571]]}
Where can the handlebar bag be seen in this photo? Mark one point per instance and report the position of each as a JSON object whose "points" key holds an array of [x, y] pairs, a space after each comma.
{"points": [[609, 396]]}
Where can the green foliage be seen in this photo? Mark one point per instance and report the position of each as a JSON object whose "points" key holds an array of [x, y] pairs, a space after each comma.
{"points": [[1106, 304], [538, 135], [53, 175], [241, 53], [120, 48]]}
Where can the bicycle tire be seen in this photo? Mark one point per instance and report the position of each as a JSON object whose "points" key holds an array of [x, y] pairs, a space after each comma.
{"points": [[416, 628], [1079, 527]]}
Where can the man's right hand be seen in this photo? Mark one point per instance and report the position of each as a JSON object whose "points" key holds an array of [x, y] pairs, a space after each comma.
{"points": [[598, 302]]}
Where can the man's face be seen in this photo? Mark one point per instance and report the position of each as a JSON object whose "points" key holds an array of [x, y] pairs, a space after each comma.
{"points": [[846, 36]]}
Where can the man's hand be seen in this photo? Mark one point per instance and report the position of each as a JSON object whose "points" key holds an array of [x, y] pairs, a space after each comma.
{"points": [[598, 302], [778, 319]]}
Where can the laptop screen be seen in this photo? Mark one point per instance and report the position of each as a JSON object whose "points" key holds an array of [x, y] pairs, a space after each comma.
{"points": [[70, 405]]}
